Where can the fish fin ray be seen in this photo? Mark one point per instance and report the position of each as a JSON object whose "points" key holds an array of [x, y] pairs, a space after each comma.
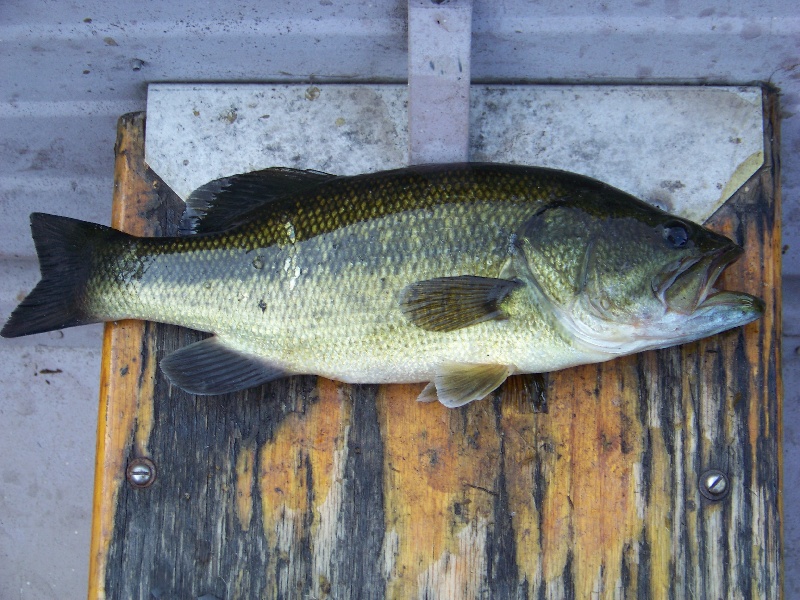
{"points": [[65, 248], [428, 393], [450, 303], [209, 367], [224, 203], [458, 384], [526, 392]]}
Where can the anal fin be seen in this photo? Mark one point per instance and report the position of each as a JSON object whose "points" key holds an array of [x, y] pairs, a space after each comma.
{"points": [[209, 367]]}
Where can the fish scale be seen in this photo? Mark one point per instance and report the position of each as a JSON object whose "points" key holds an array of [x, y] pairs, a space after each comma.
{"points": [[328, 301], [410, 275]]}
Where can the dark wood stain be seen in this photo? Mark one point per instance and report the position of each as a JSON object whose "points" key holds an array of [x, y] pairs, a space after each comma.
{"points": [[600, 494]]}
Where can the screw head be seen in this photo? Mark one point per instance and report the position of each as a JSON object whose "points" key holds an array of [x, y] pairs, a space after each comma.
{"points": [[714, 485], [141, 472]]}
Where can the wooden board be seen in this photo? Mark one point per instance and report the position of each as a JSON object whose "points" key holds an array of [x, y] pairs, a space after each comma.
{"points": [[308, 488]]}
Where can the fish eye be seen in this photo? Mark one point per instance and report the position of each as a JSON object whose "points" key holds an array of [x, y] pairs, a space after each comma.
{"points": [[676, 234]]}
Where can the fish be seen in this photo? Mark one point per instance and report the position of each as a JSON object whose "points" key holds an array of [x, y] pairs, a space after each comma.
{"points": [[456, 275]]}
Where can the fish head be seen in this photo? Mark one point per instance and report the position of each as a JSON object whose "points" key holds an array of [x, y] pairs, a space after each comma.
{"points": [[623, 276]]}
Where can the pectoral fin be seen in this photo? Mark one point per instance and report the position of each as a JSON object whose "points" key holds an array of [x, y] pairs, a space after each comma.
{"points": [[209, 367], [450, 303], [457, 384]]}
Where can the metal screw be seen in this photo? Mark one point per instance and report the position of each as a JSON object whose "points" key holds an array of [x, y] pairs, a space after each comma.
{"points": [[714, 485], [137, 64], [141, 472]]}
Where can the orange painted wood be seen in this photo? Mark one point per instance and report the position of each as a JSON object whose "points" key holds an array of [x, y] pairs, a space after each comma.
{"points": [[126, 369]]}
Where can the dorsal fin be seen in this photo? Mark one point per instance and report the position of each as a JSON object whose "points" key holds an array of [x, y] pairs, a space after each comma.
{"points": [[222, 203]]}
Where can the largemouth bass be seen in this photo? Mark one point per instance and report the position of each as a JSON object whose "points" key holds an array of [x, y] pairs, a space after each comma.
{"points": [[456, 275]]}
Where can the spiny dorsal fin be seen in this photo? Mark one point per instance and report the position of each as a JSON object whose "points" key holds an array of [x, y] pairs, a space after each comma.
{"points": [[222, 203], [457, 384], [450, 303], [209, 367]]}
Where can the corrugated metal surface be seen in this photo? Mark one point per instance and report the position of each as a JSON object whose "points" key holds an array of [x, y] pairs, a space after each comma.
{"points": [[69, 69]]}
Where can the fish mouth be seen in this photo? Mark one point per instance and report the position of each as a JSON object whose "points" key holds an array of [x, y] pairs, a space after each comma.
{"points": [[689, 285]]}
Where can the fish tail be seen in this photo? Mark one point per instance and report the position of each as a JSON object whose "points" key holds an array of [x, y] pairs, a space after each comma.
{"points": [[66, 249]]}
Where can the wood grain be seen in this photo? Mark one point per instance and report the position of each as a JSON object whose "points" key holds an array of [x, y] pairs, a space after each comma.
{"points": [[128, 365], [307, 488]]}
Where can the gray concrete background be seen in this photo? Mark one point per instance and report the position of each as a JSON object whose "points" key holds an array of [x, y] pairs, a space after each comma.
{"points": [[68, 70]]}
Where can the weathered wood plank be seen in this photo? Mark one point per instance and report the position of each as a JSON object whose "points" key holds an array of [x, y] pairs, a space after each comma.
{"points": [[128, 365], [311, 488]]}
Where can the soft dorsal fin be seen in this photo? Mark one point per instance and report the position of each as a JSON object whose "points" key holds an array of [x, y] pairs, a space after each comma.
{"points": [[222, 203], [450, 303]]}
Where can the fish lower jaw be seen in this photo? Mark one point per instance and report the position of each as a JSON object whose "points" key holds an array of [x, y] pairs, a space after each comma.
{"points": [[596, 339], [601, 340], [733, 300]]}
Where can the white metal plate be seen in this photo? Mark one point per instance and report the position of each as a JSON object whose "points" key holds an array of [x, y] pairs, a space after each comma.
{"points": [[686, 149]]}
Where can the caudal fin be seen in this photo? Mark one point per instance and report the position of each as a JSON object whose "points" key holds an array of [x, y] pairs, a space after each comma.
{"points": [[65, 247]]}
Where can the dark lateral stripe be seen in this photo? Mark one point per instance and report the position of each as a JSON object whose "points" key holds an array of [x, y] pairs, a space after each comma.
{"points": [[345, 201]]}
